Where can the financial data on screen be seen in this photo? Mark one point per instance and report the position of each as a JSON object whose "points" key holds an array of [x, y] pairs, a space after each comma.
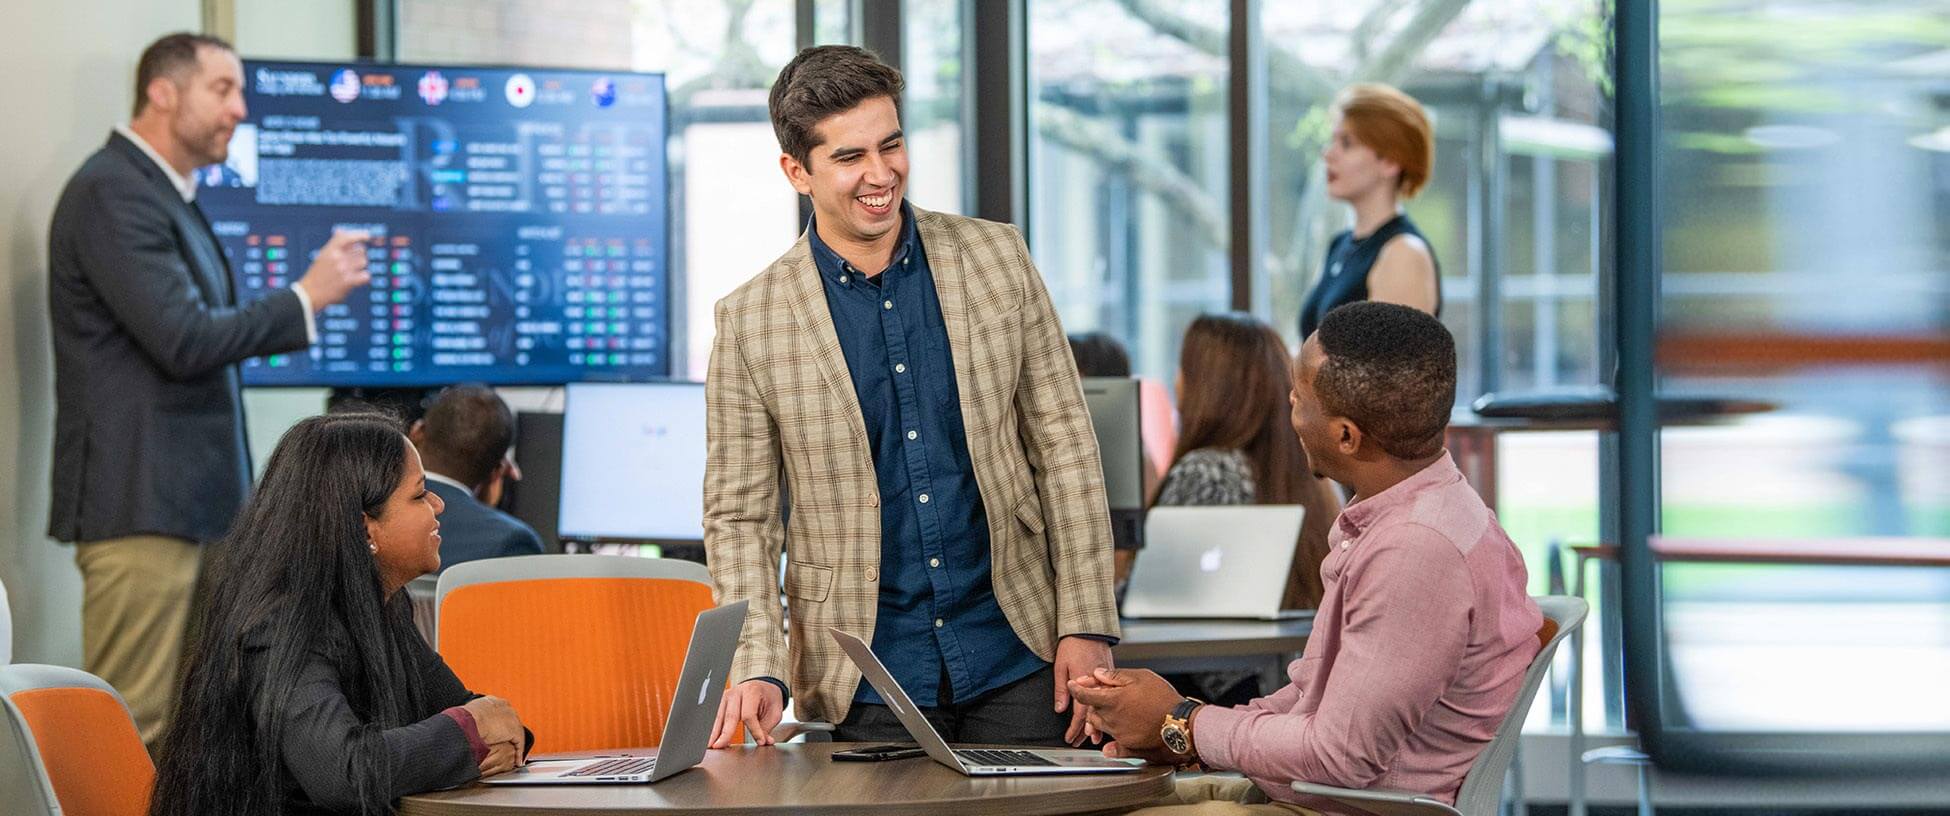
{"points": [[518, 220]]}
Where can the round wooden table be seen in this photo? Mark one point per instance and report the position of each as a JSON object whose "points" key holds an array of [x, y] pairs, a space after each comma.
{"points": [[799, 778]]}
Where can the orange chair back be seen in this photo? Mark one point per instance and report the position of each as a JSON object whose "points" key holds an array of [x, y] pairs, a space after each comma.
{"points": [[588, 663], [89, 747]]}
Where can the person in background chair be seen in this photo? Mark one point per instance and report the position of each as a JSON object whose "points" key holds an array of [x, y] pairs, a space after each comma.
{"points": [[1235, 443], [308, 691], [1425, 632], [467, 441], [150, 459], [1236, 446]]}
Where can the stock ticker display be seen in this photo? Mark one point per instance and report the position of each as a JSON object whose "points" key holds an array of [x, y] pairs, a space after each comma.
{"points": [[518, 220]]}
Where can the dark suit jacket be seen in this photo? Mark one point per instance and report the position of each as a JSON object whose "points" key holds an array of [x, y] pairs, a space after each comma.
{"points": [[470, 530], [148, 417]]}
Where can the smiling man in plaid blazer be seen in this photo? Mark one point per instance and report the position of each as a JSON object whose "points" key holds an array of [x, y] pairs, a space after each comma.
{"points": [[893, 402]]}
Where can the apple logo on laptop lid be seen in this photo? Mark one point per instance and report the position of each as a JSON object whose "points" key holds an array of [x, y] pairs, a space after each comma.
{"points": [[1208, 561]]}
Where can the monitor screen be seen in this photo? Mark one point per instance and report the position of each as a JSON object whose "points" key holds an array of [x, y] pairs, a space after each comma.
{"points": [[518, 220], [1113, 403], [633, 462]]}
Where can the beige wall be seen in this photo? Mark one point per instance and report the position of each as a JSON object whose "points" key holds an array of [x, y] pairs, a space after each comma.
{"points": [[77, 59]]}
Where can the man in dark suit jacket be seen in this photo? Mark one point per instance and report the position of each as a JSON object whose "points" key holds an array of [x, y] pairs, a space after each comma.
{"points": [[466, 443], [149, 449]]}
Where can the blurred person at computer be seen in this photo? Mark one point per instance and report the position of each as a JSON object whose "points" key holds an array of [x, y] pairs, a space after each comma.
{"points": [[150, 459], [1235, 443], [1100, 355], [467, 442], [1237, 446], [1381, 153], [308, 690], [902, 377], [1425, 630]]}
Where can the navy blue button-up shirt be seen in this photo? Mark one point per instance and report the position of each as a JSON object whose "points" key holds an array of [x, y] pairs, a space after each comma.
{"points": [[938, 617]]}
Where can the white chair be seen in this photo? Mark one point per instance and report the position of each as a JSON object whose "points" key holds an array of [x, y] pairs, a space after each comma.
{"points": [[6, 628], [1482, 787]]}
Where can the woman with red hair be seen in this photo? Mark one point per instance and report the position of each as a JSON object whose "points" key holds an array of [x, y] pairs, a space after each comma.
{"points": [[1381, 153]]}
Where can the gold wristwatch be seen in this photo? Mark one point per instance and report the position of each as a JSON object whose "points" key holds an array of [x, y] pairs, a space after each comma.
{"points": [[1177, 730]]}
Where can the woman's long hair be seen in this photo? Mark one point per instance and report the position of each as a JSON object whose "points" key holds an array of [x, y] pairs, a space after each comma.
{"points": [[294, 576], [1236, 377]]}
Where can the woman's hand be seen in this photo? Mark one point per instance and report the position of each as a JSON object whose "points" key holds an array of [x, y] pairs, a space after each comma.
{"points": [[495, 720]]}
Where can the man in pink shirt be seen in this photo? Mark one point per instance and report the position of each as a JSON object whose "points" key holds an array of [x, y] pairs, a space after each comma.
{"points": [[1425, 631]]}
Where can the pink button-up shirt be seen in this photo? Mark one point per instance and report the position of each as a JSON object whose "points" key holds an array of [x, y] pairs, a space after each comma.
{"points": [[1417, 652]]}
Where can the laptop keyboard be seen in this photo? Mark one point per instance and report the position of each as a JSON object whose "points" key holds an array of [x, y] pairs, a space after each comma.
{"points": [[986, 756], [621, 766]]}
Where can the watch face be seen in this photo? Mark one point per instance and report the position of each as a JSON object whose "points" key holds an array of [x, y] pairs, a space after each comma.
{"points": [[1174, 739]]}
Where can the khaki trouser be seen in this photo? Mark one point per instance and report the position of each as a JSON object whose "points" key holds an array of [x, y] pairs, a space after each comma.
{"points": [[1220, 796], [135, 606]]}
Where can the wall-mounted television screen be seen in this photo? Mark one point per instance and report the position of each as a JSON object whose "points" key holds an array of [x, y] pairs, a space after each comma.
{"points": [[519, 220]]}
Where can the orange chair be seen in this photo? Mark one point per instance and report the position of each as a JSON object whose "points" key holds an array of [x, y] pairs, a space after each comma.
{"points": [[79, 754], [588, 648]]}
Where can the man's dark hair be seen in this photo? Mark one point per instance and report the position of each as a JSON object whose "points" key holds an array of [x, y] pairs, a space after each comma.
{"points": [[172, 56], [1099, 355], [1392, 370], [467, 432], [821, 81]]}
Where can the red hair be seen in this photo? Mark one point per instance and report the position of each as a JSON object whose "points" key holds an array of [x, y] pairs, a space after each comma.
{"points": [[1394, 126]]}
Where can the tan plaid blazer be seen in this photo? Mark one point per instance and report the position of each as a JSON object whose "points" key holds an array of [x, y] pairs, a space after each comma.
{"points": [[780, 403]]}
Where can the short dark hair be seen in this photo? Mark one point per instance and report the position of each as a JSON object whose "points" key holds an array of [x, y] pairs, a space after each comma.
{"points": [[821, 81], [468, 430], [170, 57], [1392, 370], [1099, 355]]}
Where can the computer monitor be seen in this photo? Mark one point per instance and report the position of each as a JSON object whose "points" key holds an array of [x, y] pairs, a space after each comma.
{"points": [[1114, 413], [519, 220], [633, 463], [1113, 403]]}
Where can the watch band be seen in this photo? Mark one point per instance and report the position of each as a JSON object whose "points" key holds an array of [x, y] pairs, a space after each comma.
{"points": [[1183, 711]]}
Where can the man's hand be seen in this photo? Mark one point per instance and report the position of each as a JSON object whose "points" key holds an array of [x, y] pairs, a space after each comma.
{"points": [[495, 720], [1130, 705], [1076, 658], [339, 268], [502, 757], [755, 704]]}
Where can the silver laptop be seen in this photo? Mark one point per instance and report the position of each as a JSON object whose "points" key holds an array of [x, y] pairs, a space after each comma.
{"points": [[972, 761], [1215, 562], [687, 731]]}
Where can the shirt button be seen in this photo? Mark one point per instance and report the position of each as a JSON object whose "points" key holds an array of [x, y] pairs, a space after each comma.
{"points": [[886, 304], [900, 368], [912, 434], [938, 623], [934, 562], [873, 574], [842, 279], [923, 499]]}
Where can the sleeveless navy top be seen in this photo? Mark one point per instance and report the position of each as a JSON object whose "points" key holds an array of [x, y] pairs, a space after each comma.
{"points": [[1344, 280]]}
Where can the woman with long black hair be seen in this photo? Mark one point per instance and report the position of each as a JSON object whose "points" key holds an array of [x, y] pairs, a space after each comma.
{"points": [[308, 690]]}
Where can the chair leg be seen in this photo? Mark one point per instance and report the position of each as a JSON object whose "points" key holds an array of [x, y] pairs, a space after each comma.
{"points": [[1513, 787], [1645, 789]]}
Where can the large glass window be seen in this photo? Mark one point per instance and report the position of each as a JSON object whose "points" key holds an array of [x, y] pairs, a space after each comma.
{"points": [[1128, 210], [1519, 94], [933, 112], [1806, 172], [732, 212]]}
